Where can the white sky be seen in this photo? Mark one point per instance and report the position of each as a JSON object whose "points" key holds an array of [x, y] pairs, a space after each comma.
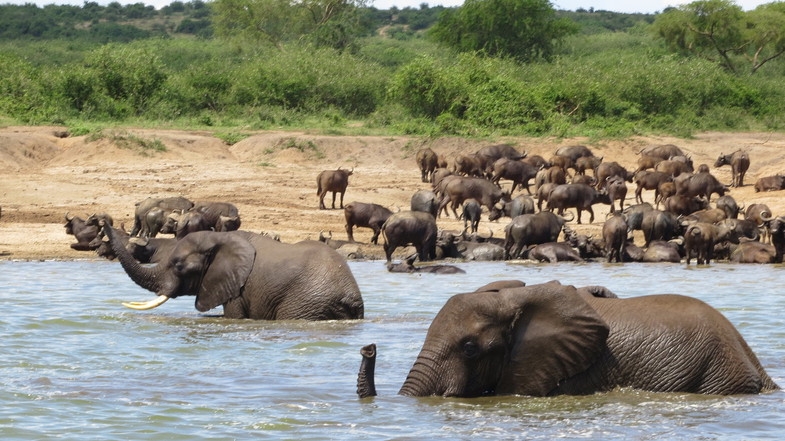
{"points": [[644, 6]]}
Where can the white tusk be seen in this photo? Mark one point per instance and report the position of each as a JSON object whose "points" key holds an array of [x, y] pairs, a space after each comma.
{"points": [[143, 306]]}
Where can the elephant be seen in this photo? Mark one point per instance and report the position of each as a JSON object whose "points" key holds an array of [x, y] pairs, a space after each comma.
{"points": [[553, 339], [250, 275]]}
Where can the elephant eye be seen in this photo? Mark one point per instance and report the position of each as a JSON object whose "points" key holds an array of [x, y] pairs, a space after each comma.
{"points": [[470, 349]]}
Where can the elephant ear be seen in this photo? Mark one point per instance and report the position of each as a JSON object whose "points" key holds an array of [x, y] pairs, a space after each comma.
{"points": [[555, 336], [230, 263]]}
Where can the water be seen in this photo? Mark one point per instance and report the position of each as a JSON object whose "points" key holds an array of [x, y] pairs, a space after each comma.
{"points": [[76, 365]]}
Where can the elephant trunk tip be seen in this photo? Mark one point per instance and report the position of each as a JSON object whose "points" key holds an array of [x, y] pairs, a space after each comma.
{"points": [[365, 378]]}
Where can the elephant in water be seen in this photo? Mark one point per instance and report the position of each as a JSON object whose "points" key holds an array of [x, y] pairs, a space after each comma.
{"points": [[551, 339], [250, 275]]}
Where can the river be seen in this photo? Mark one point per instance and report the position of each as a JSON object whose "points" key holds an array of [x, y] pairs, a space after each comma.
{"points": [[77, 365]]}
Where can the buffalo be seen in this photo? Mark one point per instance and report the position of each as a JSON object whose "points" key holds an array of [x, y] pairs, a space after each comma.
{"points": [[427, 161], [664, 151], [578, 196], [488, 155], [519, 172], [367, 215], [531, 229], [552, 252], [739, 162], [335, 181], [614, 233], [458, 190], [770, 183], [512, 207], [410, 227]]}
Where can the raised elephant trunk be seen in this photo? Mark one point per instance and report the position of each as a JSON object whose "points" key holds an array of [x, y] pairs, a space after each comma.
{"points": [[366, 387], [148, 278]]}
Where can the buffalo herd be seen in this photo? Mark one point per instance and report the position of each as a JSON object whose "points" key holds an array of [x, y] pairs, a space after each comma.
{"points": [[690, 217]]}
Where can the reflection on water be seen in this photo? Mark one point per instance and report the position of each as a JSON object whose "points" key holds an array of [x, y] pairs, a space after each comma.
{"points": [[77, 365]]}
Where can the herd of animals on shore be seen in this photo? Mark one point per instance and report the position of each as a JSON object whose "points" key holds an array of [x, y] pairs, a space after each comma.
{"points": [[504, 337]]}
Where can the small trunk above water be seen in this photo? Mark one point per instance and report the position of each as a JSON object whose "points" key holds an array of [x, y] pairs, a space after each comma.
{"points": [[365, 378]]}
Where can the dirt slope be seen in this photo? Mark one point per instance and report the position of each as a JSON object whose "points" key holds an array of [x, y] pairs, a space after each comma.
{"points": [[271, 176]]}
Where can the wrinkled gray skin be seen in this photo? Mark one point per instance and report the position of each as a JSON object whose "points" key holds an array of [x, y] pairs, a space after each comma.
{"points": [[552, 339], [251, 276]]}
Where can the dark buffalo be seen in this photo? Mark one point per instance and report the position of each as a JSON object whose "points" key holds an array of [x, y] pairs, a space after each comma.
{"points": [[659, 225], [512, 207], [709, 215], [673, 167], [608, 169], [552, 252], [536, 161], [468, 165], [634, 215], [739, 162], [664, 151], [367, 215], [770, 183], [472, 210], [551, 175], [684, 205], [646, 162], [215, 216], [729, 206], [777, 232], [588, 247], [410, 227], [700, 238], [542, 194], [425, 201], [578, 196], [760, 214], [617, 191], [166, 204], [407, 266], [456, 191], [649, 180], [84, 234], [614, 233], [531, 229], [586, 163], [745, 228], [700, 184], [488, 155], [574, 152], [662, 251], [753, 252], [335, 181], [519, 172], [427, 161]]}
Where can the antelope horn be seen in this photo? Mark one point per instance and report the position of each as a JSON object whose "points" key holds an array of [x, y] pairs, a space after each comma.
{"points": [[143, 306]]}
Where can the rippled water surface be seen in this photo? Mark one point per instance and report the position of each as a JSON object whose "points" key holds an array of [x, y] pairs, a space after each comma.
{"points": [[77, 365]]}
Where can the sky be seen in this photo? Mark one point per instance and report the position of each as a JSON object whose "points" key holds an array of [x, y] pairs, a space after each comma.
{"points": [[643, 6]]}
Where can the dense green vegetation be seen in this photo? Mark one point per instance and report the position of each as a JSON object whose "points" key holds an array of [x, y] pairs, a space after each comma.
{"points": [[351, 68]]}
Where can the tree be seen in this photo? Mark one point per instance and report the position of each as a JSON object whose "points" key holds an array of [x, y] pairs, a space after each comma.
{"points": [[329, 22], [718, 30], [765, 31], [523, 29]]}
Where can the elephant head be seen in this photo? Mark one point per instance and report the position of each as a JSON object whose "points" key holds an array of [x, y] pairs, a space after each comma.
{"points": [[506, 338], [212, 266]]}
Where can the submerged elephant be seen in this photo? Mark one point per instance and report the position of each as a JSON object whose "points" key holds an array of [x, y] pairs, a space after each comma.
{"points": [[250, 275], [551, 339]]}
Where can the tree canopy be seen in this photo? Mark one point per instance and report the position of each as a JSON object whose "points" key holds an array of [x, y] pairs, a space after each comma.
{"points": [[720, 31], [522, 29]]}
